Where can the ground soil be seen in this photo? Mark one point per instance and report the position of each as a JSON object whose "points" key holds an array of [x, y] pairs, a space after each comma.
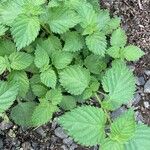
{"points": [[135, 15]]}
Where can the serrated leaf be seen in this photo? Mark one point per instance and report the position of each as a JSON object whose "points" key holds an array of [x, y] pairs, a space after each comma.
{"points": [[119, 82], [21, 113], [20, 77], [61, 59], [41, 57], [103, 19], [54, 96], [3, 65], [10, 11], [43, 113], [123, 128], [89, 19], [73, 42], [114, 52], [97, 43], [75, 79], [39, 90], [95, 64], [132, 53], [8, 95], [49, 78], [20, 60], [61, 19], [51, 44], [68, 103], [113, 24], [3, 29], [95, 4], [85, 124], [24, 30], [109, 144], [140, 140], [118, 38], [6, 47]]}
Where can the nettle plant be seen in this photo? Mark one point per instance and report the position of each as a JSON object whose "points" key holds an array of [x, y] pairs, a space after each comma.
{"points": [[57, 55]]}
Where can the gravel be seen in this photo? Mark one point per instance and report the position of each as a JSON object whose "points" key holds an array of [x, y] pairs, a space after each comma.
{"points": [[68, 141], [59, 132], [140, 81], [147, 87], [41, 132]]}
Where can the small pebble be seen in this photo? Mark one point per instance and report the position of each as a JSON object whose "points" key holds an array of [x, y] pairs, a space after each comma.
{"points": [[136, 99], [146, 104], [147, 87], [147, 72], [5, 125], [73, 146], [59, 132], [64, 147], [54, 123], [68, 141], [118, 112], [140, 81], [41, 132]]}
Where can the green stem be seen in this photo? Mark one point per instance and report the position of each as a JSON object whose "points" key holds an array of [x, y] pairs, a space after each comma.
{"points": [[106, 113]]}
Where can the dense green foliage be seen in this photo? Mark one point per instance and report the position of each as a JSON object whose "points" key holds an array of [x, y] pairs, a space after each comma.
{"points": [[57, 55]]}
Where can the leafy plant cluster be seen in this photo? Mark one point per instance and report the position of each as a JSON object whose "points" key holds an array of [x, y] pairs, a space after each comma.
{"points": [[60, 53]]}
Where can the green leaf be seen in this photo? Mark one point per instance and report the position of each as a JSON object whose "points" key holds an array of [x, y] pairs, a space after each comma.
{"points": [[109, 144], [10, 10], [20, 60], [39, 90], [114, 52], [132, 53], [89, 19], [49, 78], [123, 128], [3, 65], [68, 103], [95, 64], [24, 30], [73, 42], [75, 79], [21, 113], [113, 24], [61, 19], [41, 57], [85, 124], [3, 29], [140, 140], [54, 96], [21, 78], [61, 59], [6, 47], [51, 44], [119, 38], [43, 113], [97, 43], [103, 19], [8, 95], [95, 4], [119, 82]]}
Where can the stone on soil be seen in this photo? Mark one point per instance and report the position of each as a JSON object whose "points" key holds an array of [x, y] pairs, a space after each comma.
{"points": [[147, 87]]}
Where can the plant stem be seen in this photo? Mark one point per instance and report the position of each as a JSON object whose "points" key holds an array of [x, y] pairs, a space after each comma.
{"points": [[106, 113]]}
